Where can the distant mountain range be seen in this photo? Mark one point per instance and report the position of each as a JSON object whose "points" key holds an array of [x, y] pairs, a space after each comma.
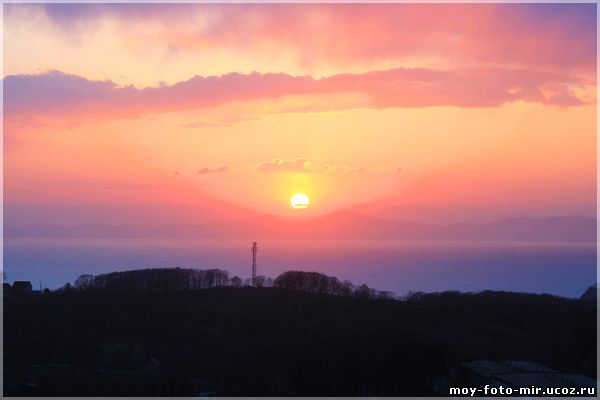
{"points": [[340, 225]]}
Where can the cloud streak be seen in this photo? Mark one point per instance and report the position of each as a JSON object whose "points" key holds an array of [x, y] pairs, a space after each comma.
{"points": [[298, 165], [213, 170], [55, 93], [341, 169], [302, 165]]}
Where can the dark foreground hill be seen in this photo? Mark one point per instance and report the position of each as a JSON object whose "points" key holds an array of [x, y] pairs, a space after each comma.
{"points": [[271, 341]]}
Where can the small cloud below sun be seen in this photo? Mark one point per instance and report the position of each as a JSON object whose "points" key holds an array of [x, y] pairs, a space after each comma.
{"points": [[211, 170], [298, 165]]}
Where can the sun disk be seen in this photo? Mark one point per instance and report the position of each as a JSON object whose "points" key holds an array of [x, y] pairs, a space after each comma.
{"points": [[299, 200]]}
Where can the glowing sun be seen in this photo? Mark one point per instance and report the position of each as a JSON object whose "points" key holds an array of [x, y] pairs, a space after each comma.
{"points": [[299, 200]]}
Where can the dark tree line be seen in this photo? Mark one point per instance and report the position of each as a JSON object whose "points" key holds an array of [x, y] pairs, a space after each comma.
{"points": [[174, 279], [316, 282], [159, 279]]}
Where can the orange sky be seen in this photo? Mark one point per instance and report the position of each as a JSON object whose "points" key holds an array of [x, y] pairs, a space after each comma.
{"points": [[189, 113]]}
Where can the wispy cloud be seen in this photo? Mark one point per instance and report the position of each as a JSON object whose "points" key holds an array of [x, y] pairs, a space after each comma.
{"points": [[298, 165], [537, 35], [55, 93], [213, 170], [341, 169], [302, 165]]}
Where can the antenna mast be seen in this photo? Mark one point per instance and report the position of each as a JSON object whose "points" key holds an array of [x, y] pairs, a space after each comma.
{"points": [[254, 250]]}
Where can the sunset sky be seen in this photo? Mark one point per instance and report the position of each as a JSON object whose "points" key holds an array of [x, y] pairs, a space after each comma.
{"points": [[153, 114]]}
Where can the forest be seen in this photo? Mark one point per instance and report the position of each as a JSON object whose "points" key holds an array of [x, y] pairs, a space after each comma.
{"points": [[180, 332], [175, 279]]}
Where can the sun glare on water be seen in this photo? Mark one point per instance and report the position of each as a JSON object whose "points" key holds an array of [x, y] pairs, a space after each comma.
{"points": [[299, 200]]}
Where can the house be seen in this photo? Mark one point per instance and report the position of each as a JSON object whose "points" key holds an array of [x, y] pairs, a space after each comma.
{"points": [[515, 374], [20, 288]]}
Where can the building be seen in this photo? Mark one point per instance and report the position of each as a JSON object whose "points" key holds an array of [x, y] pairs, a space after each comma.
{"points": [[21, 288], [6, 289], [515, 374]]}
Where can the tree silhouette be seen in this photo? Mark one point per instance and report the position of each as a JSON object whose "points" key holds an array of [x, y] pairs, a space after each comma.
{"points": [[236, 282], [83, 282]]}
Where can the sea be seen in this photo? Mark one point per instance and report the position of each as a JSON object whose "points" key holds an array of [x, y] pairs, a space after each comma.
{"points": [[563, 269]]}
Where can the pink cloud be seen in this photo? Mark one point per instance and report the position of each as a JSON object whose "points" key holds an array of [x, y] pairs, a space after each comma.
{"points": [[341, 169], [548, 36], [298, 165], [57, 94], [302, 165], [213, 170]]}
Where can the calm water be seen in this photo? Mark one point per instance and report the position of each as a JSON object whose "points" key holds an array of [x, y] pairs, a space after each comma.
{"points": [[398, 266]]}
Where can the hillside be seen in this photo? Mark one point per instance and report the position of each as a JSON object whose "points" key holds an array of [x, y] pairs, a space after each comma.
{"points": [[270, 341]]}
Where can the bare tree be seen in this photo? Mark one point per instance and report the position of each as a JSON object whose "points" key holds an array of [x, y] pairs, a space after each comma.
{"points": [[385, 295], [364, 291], [83, 282], [236, 281], [259, 281]]}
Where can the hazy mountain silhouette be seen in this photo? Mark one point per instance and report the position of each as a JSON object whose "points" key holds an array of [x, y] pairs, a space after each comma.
{"points": [[339, 225]]}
